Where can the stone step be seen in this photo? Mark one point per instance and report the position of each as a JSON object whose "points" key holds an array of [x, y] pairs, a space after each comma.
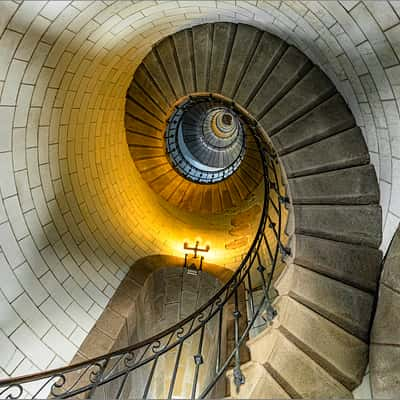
{"points": [[330, 117], [309, 92], [202, 44], [342, 355], [259, 384], [222, 42], [246, 175], [292, 66], [150, 163], [353, 224], [206, 200], [267, 53], [192, 119], [154, 173], [240, 185], [167, 56], [356, 185], [183, 43], [139, 140], [147, 84], [226, 196], [136, 126], [187, 200], [355, 265], [216, 200], [165, 184], [138, 112], [143, 152], [209, 198], [147, 102], [342, 150], [156, 72], [229, 185], [180, 190], [252, 170], [245, 39], [344, 305], [254, 154], [298, 374]]}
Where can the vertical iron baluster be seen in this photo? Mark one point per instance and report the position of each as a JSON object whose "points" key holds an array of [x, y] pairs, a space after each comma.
{"points": [[121, 387], [284, 251], [178, 356], [250, 294], [261, 270], [278, 233], [274, 205], [219, 343], [237, 373], [149, 379], [268, 307], [272, 225], [271, 312], [268, 248], [198, 360]]}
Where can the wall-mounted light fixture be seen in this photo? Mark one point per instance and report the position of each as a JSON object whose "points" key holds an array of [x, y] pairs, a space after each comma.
{"points": [[194, 263]]}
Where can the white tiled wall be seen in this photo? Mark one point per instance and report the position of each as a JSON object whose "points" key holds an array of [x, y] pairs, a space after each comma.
{"points": [[69, 194]]}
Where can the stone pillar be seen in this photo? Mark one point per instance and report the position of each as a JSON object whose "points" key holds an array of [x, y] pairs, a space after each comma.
{"points": [[385, 335], [168, 296]]}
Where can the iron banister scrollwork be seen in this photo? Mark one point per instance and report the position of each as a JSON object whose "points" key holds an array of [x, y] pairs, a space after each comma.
{"points": [[88, 376]]}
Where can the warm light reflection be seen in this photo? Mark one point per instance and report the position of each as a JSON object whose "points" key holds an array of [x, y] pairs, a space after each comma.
{"points": [[169, 226], [217, 253]]}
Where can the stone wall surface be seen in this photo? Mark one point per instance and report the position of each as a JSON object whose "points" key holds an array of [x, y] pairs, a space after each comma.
{"points": [[74, 213], [168, 296], [154, 295], [385, 336]]}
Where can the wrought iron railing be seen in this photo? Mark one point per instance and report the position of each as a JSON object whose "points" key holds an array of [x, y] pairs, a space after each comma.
{"points": [[116, 373]]}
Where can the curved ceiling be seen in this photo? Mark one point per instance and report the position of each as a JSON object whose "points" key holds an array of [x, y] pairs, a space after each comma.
{"points": [[69, 225]]}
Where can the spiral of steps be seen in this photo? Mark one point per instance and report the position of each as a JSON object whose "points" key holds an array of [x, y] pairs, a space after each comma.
{"points": [[317, 346], [213, 138], [149, 152]]}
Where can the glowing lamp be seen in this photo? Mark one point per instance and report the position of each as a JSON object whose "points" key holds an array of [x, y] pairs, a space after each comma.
{"points": [[193, 262]]}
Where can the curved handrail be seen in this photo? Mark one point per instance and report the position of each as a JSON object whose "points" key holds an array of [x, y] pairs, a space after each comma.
{"points": [[87, 376]]}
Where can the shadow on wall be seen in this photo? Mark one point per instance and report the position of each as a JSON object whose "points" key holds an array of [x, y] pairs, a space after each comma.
{"points": [[116, 327], [154, 295], [167, 297]]}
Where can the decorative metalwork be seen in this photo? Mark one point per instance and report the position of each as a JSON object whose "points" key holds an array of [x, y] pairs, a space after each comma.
{"points": [[112, 371]]}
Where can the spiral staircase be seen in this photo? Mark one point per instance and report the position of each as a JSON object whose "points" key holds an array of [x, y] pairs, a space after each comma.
{"points": [[297, 129]]}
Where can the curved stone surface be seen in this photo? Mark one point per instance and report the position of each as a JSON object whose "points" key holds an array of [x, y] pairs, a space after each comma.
{"points": [[169, 295], [300, 92], [385, 335], [69, 193]]}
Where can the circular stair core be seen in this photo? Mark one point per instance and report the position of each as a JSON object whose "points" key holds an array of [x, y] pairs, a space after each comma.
{"points": [[205, 142], [198, 153]]}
